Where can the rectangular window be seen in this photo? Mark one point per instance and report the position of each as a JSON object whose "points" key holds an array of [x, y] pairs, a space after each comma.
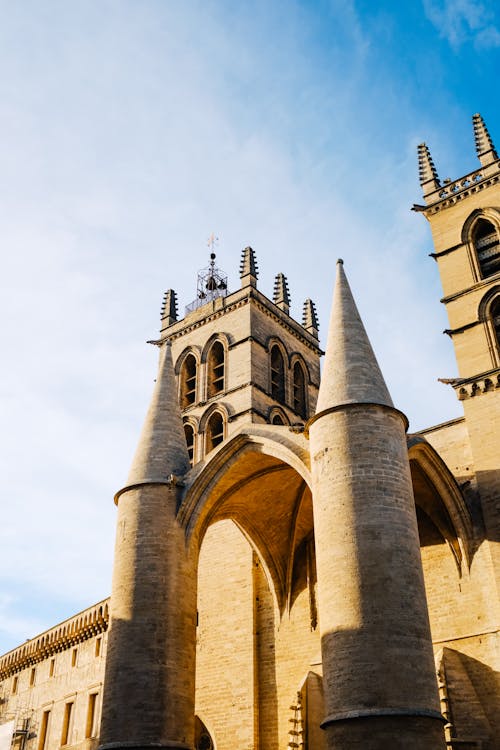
{"points": [[32, 676], [98, 646], [44, 725], [52, 667], [73, 657], [15, 683], [89, 727], [68, 709]]}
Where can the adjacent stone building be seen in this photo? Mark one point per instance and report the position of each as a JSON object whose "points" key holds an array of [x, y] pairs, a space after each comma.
{"points": [[292, 569]]}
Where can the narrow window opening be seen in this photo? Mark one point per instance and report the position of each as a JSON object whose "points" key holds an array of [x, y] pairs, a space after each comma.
{"points": [[15, 683], [277, 375], [189, 434], [188, 381], [216, 369], [495, 319], [91, 711], [299, 391], [32, 676], [487, 244], [68, 709], [74, 655], [215, 431], [52, 667], [98, 646], [44, 725]]}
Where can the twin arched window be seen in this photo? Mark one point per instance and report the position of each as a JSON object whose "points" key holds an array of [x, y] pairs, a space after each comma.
{"points": [[189, 434], [215, 375], [188, 381], [214, 431], [278, 391], [299, 391], [487, 245], [277, 375]]}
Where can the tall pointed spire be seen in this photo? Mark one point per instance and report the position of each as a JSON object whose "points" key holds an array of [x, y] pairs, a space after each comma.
{"points": [[162, 448], [484, 145], [351, 373], [427, 172], [248, 268], [281, 295], [169, 308], [310, 318]]}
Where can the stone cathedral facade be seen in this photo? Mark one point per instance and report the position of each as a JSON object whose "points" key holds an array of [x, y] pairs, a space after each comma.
{"points": [[292, 568]]}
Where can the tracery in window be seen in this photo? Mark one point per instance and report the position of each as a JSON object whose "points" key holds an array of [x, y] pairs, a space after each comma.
{"points": [[215, 430], [188, 381], [299, 390], [215, 369], [277, 375], [487, 245]]}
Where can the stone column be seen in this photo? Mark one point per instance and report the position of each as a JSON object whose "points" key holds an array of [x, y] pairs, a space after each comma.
{"points": [[148, 698], [379, 677]]}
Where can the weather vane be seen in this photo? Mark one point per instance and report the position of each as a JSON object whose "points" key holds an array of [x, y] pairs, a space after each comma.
{"points": [[212, 242]]}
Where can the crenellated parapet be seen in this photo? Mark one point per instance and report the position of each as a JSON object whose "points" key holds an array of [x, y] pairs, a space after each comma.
{"points": [[67, 634]]}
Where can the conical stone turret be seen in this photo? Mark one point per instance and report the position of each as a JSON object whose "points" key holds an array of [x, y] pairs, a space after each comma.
{"points": [[148, 695], [378, 670]]}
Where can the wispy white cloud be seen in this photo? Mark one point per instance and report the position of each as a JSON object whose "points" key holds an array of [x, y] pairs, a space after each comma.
{"points": [[130, 132], [461, 21]]}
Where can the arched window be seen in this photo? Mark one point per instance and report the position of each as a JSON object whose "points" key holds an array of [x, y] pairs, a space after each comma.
{"points": [[188, 381], [277, 419], [487, 245], [495, 318], [215, 373], [215, 430], [299, 391], [189, 433], [277, 375]]}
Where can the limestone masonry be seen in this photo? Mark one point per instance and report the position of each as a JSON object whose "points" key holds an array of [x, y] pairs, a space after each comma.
{"points": [[292, 569]]}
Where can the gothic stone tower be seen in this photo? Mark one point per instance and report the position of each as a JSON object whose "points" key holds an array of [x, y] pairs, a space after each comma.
{"points": [[464, 217], [274, 556]]}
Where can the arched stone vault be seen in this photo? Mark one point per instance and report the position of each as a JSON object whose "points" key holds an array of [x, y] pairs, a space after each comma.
{"points": [[260, 479], [438, 495]]}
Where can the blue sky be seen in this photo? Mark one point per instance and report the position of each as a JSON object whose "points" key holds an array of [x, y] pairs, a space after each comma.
{"points": [[132, 130]]}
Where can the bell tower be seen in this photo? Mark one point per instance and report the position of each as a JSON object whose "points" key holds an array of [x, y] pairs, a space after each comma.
{"points": [[240, 357], [464, 216]]}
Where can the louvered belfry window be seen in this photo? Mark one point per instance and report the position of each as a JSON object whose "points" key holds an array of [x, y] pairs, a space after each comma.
{"points": [[487, 244]]}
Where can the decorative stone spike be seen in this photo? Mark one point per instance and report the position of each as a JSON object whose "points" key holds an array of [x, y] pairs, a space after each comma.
{"points": [[310, 318], [484, 145], [169, 307], [427, 172], [248, 268], [281, 295]]}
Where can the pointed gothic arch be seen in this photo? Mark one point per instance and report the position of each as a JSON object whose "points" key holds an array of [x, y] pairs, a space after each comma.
{"points": [[481, 233], [489, 315], [187, 369], [278, 361]]}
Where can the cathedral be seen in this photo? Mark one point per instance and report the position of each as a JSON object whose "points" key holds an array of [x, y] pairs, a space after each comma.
{"points": [[292, 568]]}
